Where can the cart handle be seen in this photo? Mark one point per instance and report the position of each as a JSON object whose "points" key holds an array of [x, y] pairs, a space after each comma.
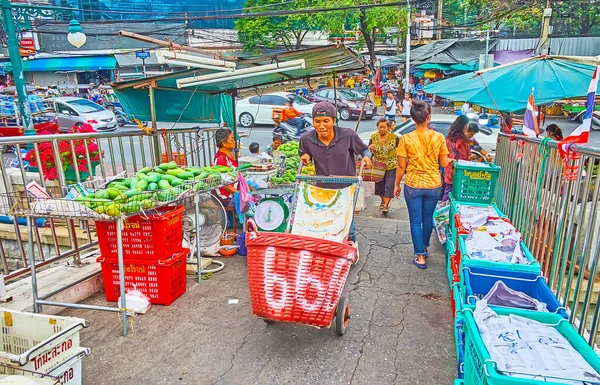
{"points": [[360, 171]]}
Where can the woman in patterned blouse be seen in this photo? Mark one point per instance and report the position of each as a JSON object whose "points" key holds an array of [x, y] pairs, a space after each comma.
{"points": [[383, 145]]}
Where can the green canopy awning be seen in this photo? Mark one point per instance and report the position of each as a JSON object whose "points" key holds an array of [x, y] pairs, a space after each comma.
{"points": [[70, 64], [203, 102], [434, 66], [468, 66]]}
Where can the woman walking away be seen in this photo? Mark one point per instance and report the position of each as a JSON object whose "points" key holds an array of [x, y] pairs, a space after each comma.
{"points": [[383, 145], [459, 149], [406, 104], [554, 132], [420, 155]]}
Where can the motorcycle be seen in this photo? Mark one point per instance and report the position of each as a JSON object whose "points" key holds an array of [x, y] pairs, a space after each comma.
{"points": [[288, 131], [122, 117], [595, 119]]}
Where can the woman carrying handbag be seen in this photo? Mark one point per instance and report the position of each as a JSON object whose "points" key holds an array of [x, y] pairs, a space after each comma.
{"points": [[383, 145]]}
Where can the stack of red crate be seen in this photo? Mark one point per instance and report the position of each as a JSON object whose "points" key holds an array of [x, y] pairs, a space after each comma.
{"points": [[153, 256]]}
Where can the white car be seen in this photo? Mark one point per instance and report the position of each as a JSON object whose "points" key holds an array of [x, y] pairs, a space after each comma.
{"points": [[487, 137], [258, 109], [72, 111]]}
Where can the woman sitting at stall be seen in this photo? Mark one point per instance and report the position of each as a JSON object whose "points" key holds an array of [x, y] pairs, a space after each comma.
{"points": [[458, 146], [383, 145], [554, 132], [224, 157], [472, 129]]}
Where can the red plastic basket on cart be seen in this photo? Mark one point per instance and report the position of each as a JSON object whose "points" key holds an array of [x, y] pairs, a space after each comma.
{"points": [[145, 237], [162, 281], [296, 278]]}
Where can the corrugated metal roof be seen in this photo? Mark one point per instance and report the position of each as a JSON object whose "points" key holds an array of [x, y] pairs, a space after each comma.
{"points": [[319, 61], [567, 46]]}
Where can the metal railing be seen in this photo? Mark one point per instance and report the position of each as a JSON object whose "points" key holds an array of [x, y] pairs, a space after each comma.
{"points": [[120, 152], [558, 217]]}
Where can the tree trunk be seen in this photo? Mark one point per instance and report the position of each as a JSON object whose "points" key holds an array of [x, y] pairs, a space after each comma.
{"points": [[369, 37], [300, 39]]}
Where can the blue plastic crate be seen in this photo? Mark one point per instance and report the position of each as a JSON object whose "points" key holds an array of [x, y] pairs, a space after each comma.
{"points": [[479, 281]]}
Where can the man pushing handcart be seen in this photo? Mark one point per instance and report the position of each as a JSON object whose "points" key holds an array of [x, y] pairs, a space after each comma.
{"points": [[299, 276]]}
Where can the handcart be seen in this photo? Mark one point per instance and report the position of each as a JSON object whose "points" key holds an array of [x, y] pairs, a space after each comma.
{"points": [[297, 278]]}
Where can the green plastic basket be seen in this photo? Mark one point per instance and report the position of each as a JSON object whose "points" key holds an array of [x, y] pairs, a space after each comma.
{"points": [[459, 382], [466, 260], [457, 305], [475, 182], [477, 356]]}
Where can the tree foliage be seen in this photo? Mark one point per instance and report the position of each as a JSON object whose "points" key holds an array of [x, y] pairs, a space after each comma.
{"points": [[269, 32], [374, 24]]}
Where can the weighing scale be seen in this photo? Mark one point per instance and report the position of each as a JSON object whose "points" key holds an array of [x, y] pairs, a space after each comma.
{"points": [[272, 215]]}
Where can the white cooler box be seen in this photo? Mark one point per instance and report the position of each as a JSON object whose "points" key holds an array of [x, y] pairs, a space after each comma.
{"points": [[38, 342]]}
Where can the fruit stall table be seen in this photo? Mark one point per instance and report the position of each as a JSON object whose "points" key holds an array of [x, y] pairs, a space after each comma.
{"points": [[115, 200]]}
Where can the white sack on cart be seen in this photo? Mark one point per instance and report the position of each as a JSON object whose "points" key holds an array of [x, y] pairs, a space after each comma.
{"points": [[502, 248], [63, 207], [324, 213], [502, 295], [524, 345]]}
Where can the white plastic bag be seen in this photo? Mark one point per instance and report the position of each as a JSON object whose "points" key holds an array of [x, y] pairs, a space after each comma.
{"points": [[137, 301], [361, 199]]}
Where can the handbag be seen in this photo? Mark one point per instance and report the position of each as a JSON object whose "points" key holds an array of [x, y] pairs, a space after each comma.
{"points": [[375, 173]]}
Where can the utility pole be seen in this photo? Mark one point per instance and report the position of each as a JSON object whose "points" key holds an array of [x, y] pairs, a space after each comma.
{"points": [[465, 17], [439, 20], [408, 45], [545, 28]]}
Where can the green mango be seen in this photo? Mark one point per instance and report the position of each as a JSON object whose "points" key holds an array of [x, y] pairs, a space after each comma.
{"points": [[175, 171], [145, 170], [141, 175], [159, 170], [152, 187], [185, 175], [164, 185], [113, 210], [130, 207], [194, 171], [168, 177], [102, 194], [153, 178], [176, 182], [142, 184], [118, 186]]}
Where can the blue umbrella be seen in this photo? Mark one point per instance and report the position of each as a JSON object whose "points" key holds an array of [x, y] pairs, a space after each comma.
{"points": [[507, 87]]}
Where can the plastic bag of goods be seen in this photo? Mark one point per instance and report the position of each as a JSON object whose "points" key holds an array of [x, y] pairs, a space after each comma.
{"points": [[136, 301], [22, 380]]}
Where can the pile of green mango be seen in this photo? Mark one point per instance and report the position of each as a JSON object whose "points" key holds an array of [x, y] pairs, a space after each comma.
{"points": [[151, 186], [292, 160]]}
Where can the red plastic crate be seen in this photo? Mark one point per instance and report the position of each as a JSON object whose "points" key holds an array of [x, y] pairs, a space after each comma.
{"points": [[162, 281], [151, 237]]}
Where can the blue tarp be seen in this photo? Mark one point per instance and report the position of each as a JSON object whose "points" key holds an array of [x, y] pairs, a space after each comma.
{"points": [[67, 64]]}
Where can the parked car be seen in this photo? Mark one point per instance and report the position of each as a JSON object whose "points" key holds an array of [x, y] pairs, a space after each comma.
{"points": [[595, 119], [349, 102], [258, 109], [487, 137], [72, 111]]}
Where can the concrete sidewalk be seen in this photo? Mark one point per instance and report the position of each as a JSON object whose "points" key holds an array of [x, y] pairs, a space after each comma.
{"points": [[400, 331]]}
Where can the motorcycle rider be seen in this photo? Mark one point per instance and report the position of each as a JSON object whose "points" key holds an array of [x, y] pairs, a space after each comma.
{"points": [[291, 116]]}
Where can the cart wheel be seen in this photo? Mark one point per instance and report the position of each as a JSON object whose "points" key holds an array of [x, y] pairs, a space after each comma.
{"points": [[268, 321], [342, 316]]}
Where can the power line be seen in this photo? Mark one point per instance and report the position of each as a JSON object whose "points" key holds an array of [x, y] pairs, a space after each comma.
{"points": [[245, 15], [134, 11]]}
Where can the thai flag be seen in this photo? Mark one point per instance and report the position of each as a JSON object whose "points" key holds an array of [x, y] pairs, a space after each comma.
{"points": [[581, 133], [530, 123]]}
